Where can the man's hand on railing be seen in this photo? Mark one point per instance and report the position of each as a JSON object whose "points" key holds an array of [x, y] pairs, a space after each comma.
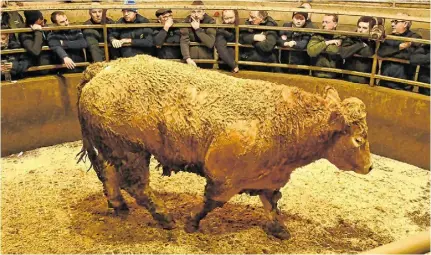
{"points": [[6, 66], [117, 43], [259, 37], [36, 27], [289, 44], [405, 45], [69, 63], [336, 42], [191, 62]]}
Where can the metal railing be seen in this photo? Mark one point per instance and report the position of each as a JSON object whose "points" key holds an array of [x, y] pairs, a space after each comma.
{"points": [[373, 75]]}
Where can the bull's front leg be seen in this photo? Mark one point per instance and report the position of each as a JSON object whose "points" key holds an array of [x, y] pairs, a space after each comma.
{"points": [[136, 182], [276, 226]]}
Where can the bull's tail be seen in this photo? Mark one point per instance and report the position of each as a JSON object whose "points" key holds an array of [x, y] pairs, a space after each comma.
{"points": [[88, 148]]}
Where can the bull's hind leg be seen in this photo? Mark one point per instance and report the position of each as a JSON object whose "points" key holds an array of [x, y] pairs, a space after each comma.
{"points": [[276, 226], [111, 188], [136, 176]]}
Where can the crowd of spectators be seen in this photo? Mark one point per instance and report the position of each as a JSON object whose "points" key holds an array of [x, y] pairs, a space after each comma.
{"points": [[71, 46]]}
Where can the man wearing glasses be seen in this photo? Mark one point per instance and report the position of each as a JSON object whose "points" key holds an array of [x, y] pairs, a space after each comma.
{"points": [[166, 34], [398, 49]]}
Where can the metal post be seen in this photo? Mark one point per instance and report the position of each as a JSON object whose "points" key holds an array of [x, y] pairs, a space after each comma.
{"points": [[236, 44], [105, 35], [374, 66]]}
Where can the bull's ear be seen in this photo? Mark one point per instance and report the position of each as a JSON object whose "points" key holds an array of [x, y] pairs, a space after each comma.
{"points": [[331, 95], [336, 120]]}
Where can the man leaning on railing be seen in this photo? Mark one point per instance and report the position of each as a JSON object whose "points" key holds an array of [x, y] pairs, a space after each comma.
{"points": [[68, 45], [401, 50], [225, 35], [263, 41], [422, 57], [94, 36], [166, 34], [360, 46], [13, 66], [33, 41], [198, 34]]}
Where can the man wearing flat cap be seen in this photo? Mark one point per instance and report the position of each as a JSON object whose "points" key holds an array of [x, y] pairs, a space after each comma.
{"points": [[295, 43], [166, 34], [135, 40], [198, 34], [33, 41]]}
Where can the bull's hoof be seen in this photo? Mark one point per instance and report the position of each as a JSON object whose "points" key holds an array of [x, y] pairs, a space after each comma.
{"points": [[121, 211], [166, 221], [277, 230], [191, 226]]}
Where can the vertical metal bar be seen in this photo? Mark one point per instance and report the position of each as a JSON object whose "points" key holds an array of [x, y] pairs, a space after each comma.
{"points": [[374, 66], [105, 39], [105, 35], [236, 44], [418, 68]]}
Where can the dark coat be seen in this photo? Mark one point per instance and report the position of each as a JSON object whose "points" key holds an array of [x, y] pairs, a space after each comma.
{"points": [[422, 57], [33, 42], [161, 36], [201, 35], [359, 46], [297, 56], [262, 51], [20, 62], [227, 54], [94, 36], [390, 49], [325, 56], [73, 44], [142, 38]]}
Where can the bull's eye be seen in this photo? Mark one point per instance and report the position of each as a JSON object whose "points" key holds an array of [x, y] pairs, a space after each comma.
{"points": [[358, 141]]}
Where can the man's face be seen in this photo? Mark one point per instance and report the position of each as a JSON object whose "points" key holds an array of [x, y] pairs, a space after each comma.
{"points": [[298, 20], [96, 15], [197, 14], [229, 17], [364, 27], [164, 17], [129, 16], [62, 20], [398, 26], [328, 23], [255, 18], [4, 40]]}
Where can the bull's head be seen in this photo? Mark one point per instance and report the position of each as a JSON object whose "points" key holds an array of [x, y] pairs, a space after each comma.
{"points": [[349, 148]]}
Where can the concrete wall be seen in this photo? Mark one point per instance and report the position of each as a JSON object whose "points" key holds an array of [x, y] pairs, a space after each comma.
{"points": [[39, 112]]}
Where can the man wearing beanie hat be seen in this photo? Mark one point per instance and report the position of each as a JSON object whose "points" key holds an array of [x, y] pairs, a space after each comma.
{"points": [[94, 36], [295, 40], [132, 41], [35, 40], [198, 34], [166, 34]]}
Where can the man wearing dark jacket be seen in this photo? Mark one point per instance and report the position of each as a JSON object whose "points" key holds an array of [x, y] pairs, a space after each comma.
{"points": [[422, 57], [94, 36], [12, 65], [225, 35], [325, 47], [401, 50], [198, 34], [138, 40], [360, 46], [296, 42], [166, 34], [68, 45], [34, 41], [263, 41]]}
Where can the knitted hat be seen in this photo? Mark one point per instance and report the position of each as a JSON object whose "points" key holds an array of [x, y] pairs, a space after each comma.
{"points": [[130, 2], [32, 16], [304, 14]]}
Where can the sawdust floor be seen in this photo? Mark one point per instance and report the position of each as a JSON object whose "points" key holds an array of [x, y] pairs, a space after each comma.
{"points": [[52, 205]]}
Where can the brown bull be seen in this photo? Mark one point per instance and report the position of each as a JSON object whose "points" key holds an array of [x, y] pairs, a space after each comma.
{"points": [[241, 135]]}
